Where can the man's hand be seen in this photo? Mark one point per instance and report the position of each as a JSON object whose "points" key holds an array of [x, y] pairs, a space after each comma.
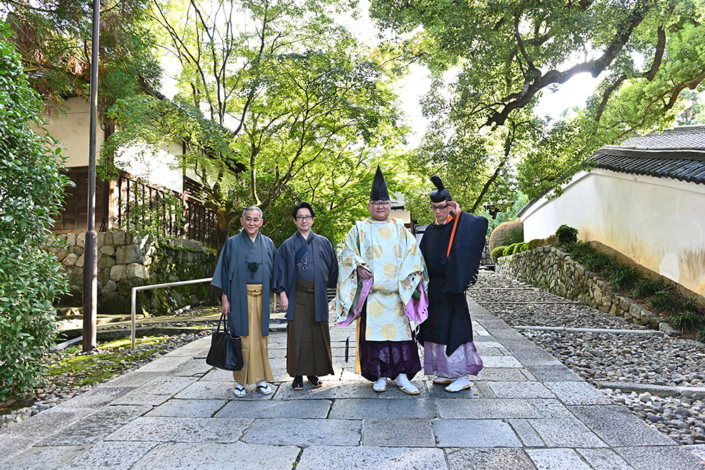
{"points": [[226, 304], [283, 302], [364, 273], [454, 207]]}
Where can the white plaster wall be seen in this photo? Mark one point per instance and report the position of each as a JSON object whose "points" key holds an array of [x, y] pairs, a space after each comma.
{"points": [[401, 214], [658, 222], [72, 129], [161, 168]]}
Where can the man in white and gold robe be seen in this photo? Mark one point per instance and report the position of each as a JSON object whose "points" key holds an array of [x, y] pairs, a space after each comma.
{"points": [[381, 272]]}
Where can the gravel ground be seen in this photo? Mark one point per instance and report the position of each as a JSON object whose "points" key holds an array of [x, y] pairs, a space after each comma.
{"points": [[56, 389], [604, 357]]}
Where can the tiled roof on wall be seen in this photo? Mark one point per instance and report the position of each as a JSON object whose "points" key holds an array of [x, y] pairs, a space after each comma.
{"points": [[678, 153]]}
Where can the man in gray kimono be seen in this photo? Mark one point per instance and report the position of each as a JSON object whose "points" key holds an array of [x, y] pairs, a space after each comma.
{"points": [[304, 267], [244, 275]]}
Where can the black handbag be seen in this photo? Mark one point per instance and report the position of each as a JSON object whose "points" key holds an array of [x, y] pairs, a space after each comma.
{"points": [[226, 348]]}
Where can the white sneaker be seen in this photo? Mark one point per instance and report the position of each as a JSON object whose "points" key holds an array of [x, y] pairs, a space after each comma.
{"points": [[381, 385], [461, 383], [239, 390], [406, 386]]}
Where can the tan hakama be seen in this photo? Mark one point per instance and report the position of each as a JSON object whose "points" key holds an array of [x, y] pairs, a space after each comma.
{"points": [[255, 347], [308, 341]]}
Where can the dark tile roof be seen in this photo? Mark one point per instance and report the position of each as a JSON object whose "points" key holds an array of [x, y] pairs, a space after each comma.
{"points": [[677, 153]]}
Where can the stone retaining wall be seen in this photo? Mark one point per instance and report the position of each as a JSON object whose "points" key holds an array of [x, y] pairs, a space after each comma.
{"points": [[126, 260], [554, 271]]}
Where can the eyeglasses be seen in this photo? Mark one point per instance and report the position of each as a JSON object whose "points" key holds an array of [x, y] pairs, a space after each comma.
{"points": [[380, 203], [301, 218], [442, 207]]}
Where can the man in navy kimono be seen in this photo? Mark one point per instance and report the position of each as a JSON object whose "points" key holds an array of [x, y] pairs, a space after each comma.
{"points": [[244, 275], [305, 266], [452, 247]]}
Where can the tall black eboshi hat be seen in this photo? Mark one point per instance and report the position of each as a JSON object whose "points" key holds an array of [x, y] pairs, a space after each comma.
{"points": [[379, 187], [442, 193]]}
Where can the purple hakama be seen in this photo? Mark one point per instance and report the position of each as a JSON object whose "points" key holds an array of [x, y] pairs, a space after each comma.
{"points": [[386, 358], [464, 360]]}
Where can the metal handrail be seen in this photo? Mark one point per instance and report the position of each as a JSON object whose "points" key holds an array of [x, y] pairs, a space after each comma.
{"points": [[155, 286]]}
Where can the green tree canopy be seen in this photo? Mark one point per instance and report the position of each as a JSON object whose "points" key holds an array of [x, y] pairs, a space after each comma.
{"points": [[508, 54]]}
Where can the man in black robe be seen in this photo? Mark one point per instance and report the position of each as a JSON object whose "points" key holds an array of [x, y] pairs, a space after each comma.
{"points": [[452, 247], [305, 266], [244, 275]]}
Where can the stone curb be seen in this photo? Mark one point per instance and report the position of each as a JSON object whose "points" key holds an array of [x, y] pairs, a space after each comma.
{"points": [[660, 390], [590, 330]]}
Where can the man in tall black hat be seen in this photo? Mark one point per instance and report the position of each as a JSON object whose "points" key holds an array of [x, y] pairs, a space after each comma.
{"points": [[380, 269], [452, 247]]}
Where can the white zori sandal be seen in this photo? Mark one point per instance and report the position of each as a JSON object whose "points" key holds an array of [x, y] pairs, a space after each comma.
{"points": [[264, 388], [460, 384], [239, 390]]}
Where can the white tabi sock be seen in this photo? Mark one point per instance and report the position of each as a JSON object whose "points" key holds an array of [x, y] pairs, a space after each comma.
{"points": [[403, 381], [459, 384], [381, 383]]}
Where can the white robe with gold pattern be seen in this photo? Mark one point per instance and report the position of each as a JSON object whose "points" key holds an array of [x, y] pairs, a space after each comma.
{"points": [[389, 250]]}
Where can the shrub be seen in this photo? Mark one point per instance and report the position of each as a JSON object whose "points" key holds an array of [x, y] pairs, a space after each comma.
{"points": [[689, 304], [686, 321], [507, 234], [567, 235], [701, 334], [509, 250], [590, 258], [647, 288], [498, 253], [551, 240], [517, 248], [664, 300], [535, 243], [622, 277], [31, 188]]}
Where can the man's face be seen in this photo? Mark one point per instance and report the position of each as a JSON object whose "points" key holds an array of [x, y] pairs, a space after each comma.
{"points": [[441, 211], [379, 210], [303, 220], [251, 222]]}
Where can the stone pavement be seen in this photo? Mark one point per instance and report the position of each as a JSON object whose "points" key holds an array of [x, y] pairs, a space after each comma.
{"points": [[525, 411]]}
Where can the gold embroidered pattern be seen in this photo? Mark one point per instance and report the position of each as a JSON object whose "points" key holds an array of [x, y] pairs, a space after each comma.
{"points": [[418, 268], [397, 251], [376, 309], [390, 270], [414, 250], [389, 331], [348, 262], [384, 232], [399, 309], [374, 251]]}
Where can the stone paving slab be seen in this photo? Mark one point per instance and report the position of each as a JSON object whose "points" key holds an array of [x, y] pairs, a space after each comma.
{"points": [[97, 398], [386, 433], [660, 458], [156, 391], [474, 433], [564, 432], [335, 390], [604, 459], [365, 458], [553, 373], [111, 456], [45, 424], [165, 364], [439, 391], [499, 375], [94, 427], [188, 408], [48, 458], [357, 408], [486, 409], [304, 432], [578, 393], [12, 445], [132, 379], [214, 456], [557, 459], [618, 427], [520, 390], [292, 409], [528, 435], [220, 391], [181, 430], [488, 459], [501, 362], [192, 368]]}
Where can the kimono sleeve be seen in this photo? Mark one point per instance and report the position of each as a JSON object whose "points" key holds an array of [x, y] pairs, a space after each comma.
{"points": [[221, 276], [280, 278]]}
